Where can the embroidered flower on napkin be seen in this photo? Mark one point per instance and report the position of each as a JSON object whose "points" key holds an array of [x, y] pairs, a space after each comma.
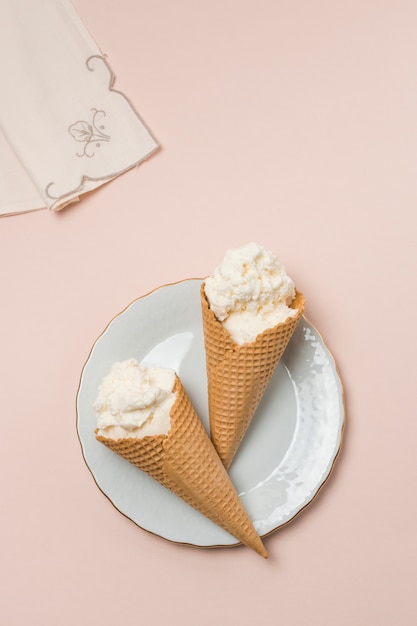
{"points": [[66, 131]]}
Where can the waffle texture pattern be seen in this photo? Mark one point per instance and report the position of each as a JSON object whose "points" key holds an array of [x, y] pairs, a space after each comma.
{"points": [[185, 462], [239, 374]]}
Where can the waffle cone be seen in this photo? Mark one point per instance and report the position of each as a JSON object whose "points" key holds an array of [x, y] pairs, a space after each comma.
{"points": [[239, 374], [185, 462]]}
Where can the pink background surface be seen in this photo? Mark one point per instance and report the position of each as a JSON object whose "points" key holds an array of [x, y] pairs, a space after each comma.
{"points": [[291, 124]]}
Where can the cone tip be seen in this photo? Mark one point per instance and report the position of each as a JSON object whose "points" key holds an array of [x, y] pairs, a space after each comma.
{"points": [[263, 552], [259, 548]]}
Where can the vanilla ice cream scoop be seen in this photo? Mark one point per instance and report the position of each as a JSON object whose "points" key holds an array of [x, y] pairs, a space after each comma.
{"points": [[135, 401], [250, 292]]}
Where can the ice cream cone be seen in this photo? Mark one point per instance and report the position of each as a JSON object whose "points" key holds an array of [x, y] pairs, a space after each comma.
{"points": [[186, 462], [239, 374]]}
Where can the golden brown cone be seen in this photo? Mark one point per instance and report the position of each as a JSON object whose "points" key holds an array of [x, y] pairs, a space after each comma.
{"points": [[186, 462], [239, 374]]}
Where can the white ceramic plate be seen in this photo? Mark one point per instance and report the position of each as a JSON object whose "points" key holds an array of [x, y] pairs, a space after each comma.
{"points": [[288, 451]]}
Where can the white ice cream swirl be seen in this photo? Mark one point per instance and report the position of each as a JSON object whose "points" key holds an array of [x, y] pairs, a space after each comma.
{"points": [[249, 292], [134, 401]]}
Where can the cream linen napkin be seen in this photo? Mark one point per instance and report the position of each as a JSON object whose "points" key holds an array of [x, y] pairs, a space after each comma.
{"points": [[64, 129]]}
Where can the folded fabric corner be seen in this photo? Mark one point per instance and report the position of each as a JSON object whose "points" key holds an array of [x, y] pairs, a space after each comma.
{"points": [[65, 129]]}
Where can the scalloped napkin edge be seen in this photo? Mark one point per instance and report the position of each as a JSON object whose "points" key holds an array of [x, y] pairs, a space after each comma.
{"points": [[64, 129]]}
